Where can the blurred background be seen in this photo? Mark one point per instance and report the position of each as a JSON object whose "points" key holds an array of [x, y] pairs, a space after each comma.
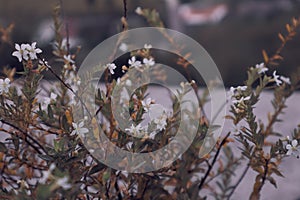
{"points": [[234, 32]]}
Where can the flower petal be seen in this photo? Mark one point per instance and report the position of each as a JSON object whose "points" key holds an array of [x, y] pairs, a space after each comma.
{"points": [[295, 143]]}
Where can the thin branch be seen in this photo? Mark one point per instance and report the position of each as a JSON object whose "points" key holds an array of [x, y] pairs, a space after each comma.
{"points": [[66, 85], [213, 162], [27, 135]]}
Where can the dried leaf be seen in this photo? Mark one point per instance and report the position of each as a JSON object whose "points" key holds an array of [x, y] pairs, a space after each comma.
{"points": [[281, 37], [265, 56]]}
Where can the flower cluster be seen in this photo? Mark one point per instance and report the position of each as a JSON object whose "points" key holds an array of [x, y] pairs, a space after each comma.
{"points": [[137, 130], [111, 67], [261, 68], [26, 51], [236, 93], [293, 148]]}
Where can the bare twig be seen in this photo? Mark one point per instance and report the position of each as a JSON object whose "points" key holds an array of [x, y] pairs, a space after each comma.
{"points": [[210, 167]]}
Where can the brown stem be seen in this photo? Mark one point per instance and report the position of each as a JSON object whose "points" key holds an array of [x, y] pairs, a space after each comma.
{"points": [[257, 188], [274, 118], [67, 86], [26, 136], [210, 167]]}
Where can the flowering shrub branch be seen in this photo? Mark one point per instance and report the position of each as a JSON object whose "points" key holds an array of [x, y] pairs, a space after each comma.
{"points": [[43, 156]]}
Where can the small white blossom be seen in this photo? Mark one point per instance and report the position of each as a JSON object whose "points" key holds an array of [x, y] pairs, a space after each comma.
{"points": [[111, 67], [285, 79], [63, 182], [129, 145], [123, 47], [261, 68], [147, 46], [134, 63], [161, 122], [293, 149], [241, 100], [135, 130], [276, 79], [146, 104], [242, 88], [4, 85], [231, 92], [32, 50], [139, 11], [149, 62], [22, 52], [79, 129], [69, 59]]}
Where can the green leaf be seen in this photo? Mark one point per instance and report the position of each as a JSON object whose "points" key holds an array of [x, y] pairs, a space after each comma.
{"points": [[106, 175], [272, 181], [3, 147], [50, 112], [97, 168], [43, 192], [46, 157]]}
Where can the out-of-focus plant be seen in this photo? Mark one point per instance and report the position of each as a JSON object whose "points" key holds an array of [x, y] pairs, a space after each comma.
{"points": [[42, 155]]}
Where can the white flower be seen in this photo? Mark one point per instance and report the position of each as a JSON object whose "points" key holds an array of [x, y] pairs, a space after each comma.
{"points": [[276, 79], [285, 79], [4, 85], [261, 68], [123, 47], [139, 11], [63, 182], [241, 100], [161, 122], [231, 92], [134, 63], [111, 67], [147, 46], [79, 129], [242, 88], [129, 145], [32, 50], [135, 130], [149, 62], [146, 104], [293, 149], [22, 52], [69, 59]]}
